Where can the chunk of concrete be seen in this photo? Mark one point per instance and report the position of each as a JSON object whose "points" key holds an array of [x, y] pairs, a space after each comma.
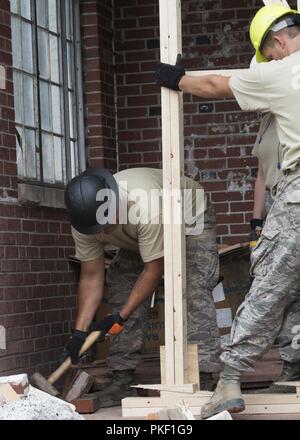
{"points": [[38, 405]]}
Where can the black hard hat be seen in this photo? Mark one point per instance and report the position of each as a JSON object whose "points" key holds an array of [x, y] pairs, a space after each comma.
{"points": [[81, 199]]}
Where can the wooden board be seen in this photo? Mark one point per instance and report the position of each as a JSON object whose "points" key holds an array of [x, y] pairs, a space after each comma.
{"points": [[192, 364], [187, 388], [173, 171], [255, 404]]}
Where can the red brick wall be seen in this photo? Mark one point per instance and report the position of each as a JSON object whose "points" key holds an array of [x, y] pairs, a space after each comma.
{"points": [[37, 285], [99, 91], [218, 137]]}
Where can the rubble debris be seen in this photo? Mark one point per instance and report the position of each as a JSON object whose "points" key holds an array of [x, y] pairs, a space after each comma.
{"points": [[37, 405]]}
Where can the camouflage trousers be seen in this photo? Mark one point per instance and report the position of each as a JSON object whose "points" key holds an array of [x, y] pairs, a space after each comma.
{"points": [[202, 263], [271, 308], [291, 319]]}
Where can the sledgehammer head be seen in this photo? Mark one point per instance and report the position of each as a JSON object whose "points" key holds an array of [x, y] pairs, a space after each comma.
{"points": [[40, 382]]}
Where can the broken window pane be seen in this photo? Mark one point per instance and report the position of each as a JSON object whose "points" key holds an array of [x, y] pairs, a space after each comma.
{"points": [[27, 53], [45, 106], [56, 109], [29, 100], [48, 158], [43, 46], [20, 159], [42, 13]]}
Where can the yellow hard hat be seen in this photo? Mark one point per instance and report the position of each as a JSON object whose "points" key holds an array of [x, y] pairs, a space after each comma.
{"points": [[261, 24]]}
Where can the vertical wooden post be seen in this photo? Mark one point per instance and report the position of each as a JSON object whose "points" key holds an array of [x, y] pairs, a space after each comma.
{"points": [[173, 170]]}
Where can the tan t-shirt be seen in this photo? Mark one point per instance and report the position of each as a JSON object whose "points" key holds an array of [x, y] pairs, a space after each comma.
{"points": [[275, 87], [268, 150], [142, 228]]}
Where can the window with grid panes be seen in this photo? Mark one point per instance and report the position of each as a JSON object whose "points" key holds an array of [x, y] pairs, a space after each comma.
{"points": [[46, 90]]}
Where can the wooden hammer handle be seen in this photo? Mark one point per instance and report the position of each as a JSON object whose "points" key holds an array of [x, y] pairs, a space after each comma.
{"points": [[90, 340]]}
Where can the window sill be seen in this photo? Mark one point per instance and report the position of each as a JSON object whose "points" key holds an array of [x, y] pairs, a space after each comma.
{"points": [[34, 195]]}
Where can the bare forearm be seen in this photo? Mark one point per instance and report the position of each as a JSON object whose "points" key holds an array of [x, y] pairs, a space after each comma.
{"points": [[90, 293], [206, 86], [89, 297], [144, 287]]}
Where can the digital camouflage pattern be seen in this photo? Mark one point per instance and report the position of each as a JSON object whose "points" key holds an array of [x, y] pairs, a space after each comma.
{"points": [[202, 276], [271, 308]]}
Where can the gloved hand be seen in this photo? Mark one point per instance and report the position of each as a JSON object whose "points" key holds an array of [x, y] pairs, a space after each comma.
{"points": [[256, 228], [73, 347], [169, 76], [113, 325]]}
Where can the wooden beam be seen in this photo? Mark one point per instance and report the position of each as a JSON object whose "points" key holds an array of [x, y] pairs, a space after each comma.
{"points": [[192, 365], [187, 388], [255, 403], [173, 171]]}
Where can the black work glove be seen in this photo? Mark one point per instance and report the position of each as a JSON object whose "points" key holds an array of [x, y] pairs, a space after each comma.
{"points": [[256, 228], [112, 325], [169, 76], [73, 347]]}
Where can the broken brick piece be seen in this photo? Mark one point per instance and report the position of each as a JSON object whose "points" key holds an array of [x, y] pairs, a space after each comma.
{"points": [[87, 404], [7, 394], [80, 384], [19, 383]]}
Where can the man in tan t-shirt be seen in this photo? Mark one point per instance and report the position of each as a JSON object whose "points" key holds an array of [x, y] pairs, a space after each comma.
{"points": [[131, 219], [272, 86]]}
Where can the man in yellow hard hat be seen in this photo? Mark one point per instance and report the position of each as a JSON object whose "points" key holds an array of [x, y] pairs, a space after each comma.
{"points": [[269, 87]]}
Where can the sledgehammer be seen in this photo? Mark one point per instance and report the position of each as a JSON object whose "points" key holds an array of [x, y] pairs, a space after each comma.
{"points": [[39, 381]]}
